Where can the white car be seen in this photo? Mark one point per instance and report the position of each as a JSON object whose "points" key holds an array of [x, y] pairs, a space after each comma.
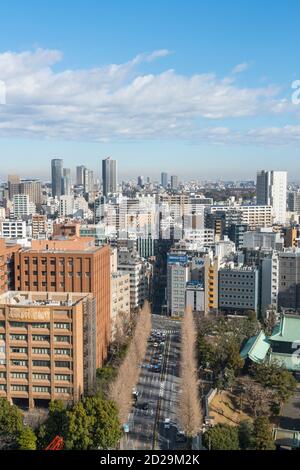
{"points": [[167, 423]]}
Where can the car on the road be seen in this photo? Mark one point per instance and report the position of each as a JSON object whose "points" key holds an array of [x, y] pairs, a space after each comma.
{"points": [[155, 345], [167, 423], [180, 437], [142, 406], [135, 394]]}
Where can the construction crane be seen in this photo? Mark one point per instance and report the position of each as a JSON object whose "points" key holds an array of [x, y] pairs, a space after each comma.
{"points": [[56, 444]]}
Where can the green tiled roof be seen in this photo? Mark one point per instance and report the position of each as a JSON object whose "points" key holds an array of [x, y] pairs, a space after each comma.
{"points": [[256, 348], [288, 330], [288, 361]]}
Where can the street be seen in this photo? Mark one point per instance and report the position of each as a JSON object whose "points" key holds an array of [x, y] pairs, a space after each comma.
{"points": [[158, 391]]}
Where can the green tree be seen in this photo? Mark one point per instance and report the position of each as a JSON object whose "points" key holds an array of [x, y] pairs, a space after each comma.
{"points": [[11, 424], [280, 380], [105, 376], [205, 352], [221, 437], [93, 423], [245, 433], [26, 439], [79, 429], [56, 424], [262, 434], [106, 428]]}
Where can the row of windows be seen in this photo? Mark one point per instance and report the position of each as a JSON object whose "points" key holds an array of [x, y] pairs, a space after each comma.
{"points": [[60, 339], [57, 325], [62, 273], [40, 363], [57, 351]]}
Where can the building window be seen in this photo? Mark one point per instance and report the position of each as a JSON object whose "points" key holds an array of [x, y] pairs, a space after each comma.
{"points": [[41, 363], [19, 388], [40, 389], [19, 375]]}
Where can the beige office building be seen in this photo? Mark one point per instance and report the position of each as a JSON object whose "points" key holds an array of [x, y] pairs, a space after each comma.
{"points": [[47, 346]]}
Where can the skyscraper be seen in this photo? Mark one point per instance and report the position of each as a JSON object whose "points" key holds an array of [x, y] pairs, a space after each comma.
{"points": [[66, 182], [88, 180], [56, 177], [174, 182], [80, 175], [164, 180], [271, 190], [109, 176]]}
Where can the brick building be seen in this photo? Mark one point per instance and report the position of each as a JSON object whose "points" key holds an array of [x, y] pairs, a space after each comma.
{"points": [[69, 265]]}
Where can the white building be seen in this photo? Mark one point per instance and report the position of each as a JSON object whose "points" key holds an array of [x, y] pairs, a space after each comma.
{"points": [[195, 297], [271, 189], [13, 229], [263, 238], [66, 206], [22, 206], [120, 301], [177, 278], [129, 262]]}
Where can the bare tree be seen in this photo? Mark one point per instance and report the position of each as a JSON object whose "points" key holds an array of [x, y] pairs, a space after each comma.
{"points": [[190, 415], [257, 398], [121, 389]]}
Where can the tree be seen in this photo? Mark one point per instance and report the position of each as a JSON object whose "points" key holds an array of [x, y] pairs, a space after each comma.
{"points": [[120, 390], [11, 424], [262, 434], [273, 376], [189, 407], [221, 437], [93, 423], [79, 429], [205, 352], [105, 376], [258, 398], [56, 424], [106, 428], [245, 433], [27, 439], [234, 360]]}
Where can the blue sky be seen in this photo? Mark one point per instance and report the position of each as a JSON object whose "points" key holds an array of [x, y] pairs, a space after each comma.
{"points": [[198, 88]]}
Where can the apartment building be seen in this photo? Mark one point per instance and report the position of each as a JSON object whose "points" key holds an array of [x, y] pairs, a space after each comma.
{"points": [[7, 259], [120, 301], [289, 279], [129, 262], [69, 265], [48, 346], [13, 229], [238, 288]]}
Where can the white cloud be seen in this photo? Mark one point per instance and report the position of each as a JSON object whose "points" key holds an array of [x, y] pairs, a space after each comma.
{"points": [[118, 102], [241, 67]]}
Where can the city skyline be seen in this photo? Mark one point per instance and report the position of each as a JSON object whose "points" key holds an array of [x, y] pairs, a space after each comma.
{"points": [[149, 101]]}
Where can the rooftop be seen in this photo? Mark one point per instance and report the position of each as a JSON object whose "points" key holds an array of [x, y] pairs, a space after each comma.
{"points": [[40, 299], [288, 330], [256, 348]]}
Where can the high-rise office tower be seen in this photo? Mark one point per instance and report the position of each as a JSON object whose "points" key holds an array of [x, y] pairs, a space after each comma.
{"points": [[293, 201], [66, 182], [140, 181], [33, 189], [164, 180], [271, 190], [56, 177], [80, 175], [174, 182], [13, 185], [88, 180], [109, 176]]}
